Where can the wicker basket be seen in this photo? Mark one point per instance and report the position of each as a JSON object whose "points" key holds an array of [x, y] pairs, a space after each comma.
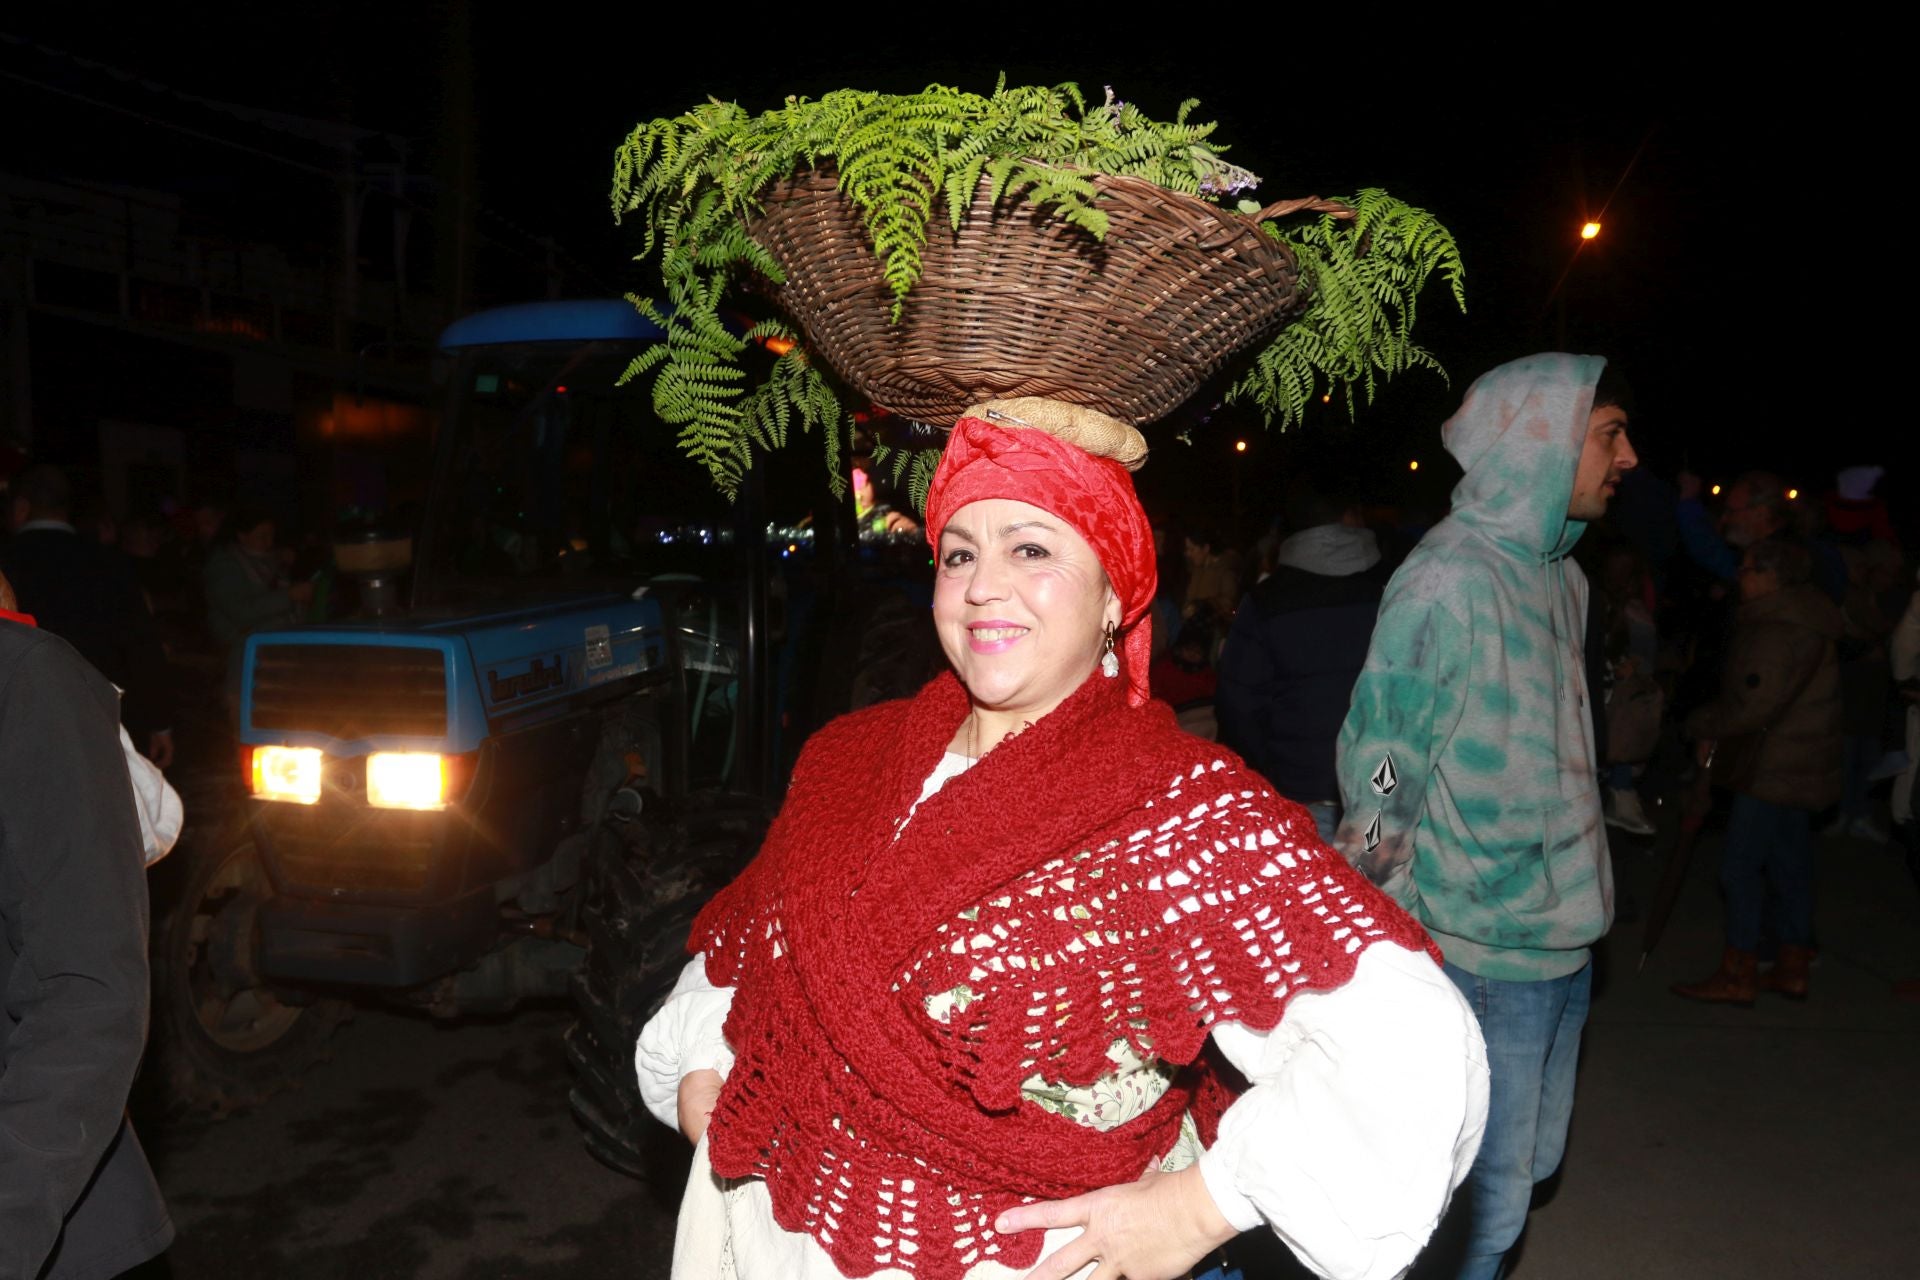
{"points": [[1020, 303]]}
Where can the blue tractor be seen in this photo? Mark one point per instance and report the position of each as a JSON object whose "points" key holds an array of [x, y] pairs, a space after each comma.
{"points": [[559, 720]]}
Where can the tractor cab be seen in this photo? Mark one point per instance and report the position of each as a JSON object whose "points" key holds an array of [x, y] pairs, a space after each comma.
{"points": [[580, 653]]}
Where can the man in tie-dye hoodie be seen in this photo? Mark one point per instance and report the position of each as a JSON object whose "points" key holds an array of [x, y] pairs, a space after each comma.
{"points": [[1466, 762]]}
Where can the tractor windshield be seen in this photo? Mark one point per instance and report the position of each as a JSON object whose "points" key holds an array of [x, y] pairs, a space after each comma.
{"points": [[552, 476]]}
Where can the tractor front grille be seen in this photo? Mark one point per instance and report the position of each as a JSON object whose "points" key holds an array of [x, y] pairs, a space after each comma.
{"points": [[350, 692], [340, 846]]}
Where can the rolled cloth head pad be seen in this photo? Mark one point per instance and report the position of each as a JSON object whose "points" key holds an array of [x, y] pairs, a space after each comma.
{"points": [[991, 454], [1091, 430]]}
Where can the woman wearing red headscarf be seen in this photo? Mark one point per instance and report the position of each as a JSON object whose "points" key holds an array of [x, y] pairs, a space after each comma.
{"points": [[950, 1022]]}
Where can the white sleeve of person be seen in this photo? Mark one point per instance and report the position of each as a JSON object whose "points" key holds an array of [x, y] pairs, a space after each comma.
{"points": [[685, 1036], [155, 800], [1367, 1106]]}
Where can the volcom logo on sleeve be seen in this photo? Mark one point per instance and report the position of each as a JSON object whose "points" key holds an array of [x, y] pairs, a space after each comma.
{"points": [[1373, 834], [1384, 778]]}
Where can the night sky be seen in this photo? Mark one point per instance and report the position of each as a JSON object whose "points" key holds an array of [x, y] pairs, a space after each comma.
{"points": [[1744, 277]]}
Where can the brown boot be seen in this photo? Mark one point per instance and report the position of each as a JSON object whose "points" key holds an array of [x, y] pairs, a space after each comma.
{"points": [[1732, 983], [1788, 977]]}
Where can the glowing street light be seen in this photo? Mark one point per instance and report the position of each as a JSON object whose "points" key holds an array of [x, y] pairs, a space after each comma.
{"points": [[1589, 231], [1414, 465], [1239, 446], [1716, 491], [1793, 495]]}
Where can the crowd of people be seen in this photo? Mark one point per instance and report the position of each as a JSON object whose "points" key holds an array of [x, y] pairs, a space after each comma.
{"points": [[1463, 725], [1638, 571], [1747, 637], [1271, 871], [149, 596]]}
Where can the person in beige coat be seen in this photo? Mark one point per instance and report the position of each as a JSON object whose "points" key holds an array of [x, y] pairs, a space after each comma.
{"points": [[1773, 737], [1904, 650]]}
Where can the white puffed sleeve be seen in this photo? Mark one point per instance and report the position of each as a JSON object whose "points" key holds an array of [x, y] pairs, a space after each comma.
{"points": [[684, 1037], [1367, 1106]]}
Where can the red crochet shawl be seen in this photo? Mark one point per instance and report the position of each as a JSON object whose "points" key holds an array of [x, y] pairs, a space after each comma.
{"points": [[1099, 876]]}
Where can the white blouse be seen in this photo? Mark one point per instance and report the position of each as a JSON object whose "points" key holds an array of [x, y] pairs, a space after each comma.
{"points": [[1366, 1109]]}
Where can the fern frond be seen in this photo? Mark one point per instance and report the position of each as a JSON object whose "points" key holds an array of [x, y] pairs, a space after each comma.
{"points": [[1363, 279]]}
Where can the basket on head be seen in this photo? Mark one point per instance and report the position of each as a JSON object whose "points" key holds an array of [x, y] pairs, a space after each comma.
{"points": [[1021, 303]]}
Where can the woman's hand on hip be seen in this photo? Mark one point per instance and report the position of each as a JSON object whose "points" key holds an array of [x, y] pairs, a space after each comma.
{"points": [[699, 1092], [1153, 1229]]}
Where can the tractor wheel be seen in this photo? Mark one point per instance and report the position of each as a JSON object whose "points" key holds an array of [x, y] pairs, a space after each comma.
{"points": [[226, 1039], [645, 881]]}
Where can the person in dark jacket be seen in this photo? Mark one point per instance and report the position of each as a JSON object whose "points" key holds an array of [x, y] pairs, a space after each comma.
{"points": [[246, 583], [88, 595], [1296, 647], [1773, 738], [77, 1200]]}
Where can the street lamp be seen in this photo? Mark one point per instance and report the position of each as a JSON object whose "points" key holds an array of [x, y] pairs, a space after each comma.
{"points": [[1239, 446], [1589, 231]]}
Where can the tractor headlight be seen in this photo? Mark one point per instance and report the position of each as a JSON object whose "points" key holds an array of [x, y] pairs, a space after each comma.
{"points": [[287, 773], [407, 780]]}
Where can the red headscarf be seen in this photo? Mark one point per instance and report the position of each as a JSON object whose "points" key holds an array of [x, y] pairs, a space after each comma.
{"points": [[1094, 495]]}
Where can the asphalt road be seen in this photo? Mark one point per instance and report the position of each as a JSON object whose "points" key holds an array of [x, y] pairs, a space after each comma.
{"points": [[1772, 1142], [421, 1151]]}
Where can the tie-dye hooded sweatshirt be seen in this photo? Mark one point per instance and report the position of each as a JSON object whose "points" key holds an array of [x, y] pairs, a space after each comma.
{"points": [[1466, 761]]}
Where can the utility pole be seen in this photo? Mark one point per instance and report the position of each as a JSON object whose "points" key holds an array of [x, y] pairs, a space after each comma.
{"points": [[16, 366], [454, 163], [347, 279]]}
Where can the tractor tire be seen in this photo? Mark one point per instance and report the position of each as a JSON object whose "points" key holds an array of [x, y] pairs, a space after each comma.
{"points": [[225, 1040], [645, 881]]}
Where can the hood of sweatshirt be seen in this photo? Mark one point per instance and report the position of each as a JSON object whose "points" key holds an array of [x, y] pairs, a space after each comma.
{"points": [[1332, 550], [1518, 436]]}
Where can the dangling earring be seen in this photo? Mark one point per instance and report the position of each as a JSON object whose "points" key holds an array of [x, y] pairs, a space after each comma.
{"points": [[1109, 660]]}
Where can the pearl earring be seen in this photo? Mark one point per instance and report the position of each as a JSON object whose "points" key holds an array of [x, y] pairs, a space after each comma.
{"points": [[1109, 660]]}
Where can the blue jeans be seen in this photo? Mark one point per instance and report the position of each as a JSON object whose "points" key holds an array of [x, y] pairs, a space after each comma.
{"points": [[1532, 1031], [1768, 846]]}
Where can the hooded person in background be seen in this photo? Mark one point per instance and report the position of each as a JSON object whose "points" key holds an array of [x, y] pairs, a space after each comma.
{"points": [[1466, 763], [1296, 647]]}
